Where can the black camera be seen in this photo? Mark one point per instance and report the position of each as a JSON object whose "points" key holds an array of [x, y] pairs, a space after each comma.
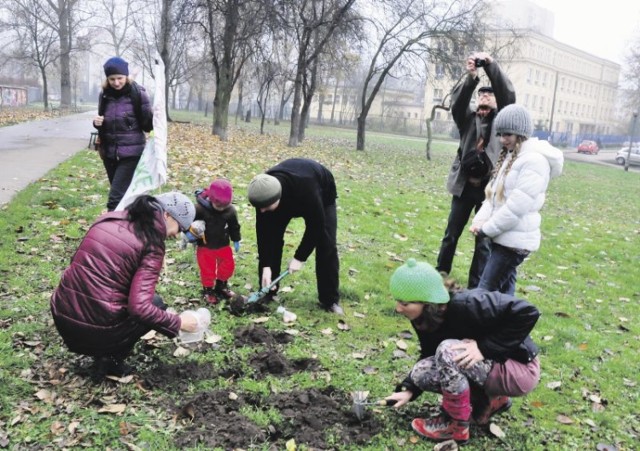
{"points": [[480, 62]]}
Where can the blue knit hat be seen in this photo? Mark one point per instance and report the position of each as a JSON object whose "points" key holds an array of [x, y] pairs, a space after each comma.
{"points": [[116, 66]]}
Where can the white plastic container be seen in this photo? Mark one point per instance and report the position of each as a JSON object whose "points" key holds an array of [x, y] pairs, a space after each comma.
{"points": [[203, 317], [287, 316]]}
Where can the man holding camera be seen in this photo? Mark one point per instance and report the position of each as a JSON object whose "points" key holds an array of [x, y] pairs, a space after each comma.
{"points": [[477, 153]]}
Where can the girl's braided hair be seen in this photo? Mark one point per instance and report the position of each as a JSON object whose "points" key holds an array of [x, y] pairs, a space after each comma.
{"points": [[496, 169]]}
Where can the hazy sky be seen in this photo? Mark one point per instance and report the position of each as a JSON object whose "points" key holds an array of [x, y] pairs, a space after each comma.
{"points": [[603, 28]]}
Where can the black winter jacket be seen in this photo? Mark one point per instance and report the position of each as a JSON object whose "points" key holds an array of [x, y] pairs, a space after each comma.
{"points": [[498, 322], [307, 187], [220, 226]]}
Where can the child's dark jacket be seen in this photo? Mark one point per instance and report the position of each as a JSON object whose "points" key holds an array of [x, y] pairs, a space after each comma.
{"points": [[221, 226]]}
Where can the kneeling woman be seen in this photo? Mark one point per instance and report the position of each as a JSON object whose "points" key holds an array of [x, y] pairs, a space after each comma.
{"points": [[475, 350], [106, 298]]}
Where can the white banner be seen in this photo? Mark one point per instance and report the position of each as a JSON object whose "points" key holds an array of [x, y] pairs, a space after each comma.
{"points": [[151, 172]]}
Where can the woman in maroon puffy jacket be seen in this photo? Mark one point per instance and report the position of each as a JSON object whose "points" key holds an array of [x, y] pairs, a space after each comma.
{"points": [[124, 114], [106, 298]]}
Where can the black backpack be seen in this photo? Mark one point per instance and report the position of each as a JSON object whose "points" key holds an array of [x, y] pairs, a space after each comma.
{"points": [[136, 98]]}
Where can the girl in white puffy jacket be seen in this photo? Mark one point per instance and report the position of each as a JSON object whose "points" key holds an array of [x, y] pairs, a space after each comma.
{"points": [[510, 214]]}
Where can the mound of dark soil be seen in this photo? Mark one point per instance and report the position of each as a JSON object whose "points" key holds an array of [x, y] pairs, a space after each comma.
{"points": [[310, 417], [274, 363], [256, 334]]}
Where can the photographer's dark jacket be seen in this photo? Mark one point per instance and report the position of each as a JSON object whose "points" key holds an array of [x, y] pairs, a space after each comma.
{"points": [[471, 126]]}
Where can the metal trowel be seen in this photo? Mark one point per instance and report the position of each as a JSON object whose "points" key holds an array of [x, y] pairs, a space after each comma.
{"points": [[360, 402]]}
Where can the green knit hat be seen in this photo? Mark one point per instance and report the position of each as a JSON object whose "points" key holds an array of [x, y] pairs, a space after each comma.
{"points": [[418, 282]]}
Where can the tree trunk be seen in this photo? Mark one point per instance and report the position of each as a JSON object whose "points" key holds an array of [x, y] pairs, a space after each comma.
{"points": [[361, 128], [221, 109], [333, 104], [295, 110], [45, 88], [239, 107], [65, 55], [163, 47], [320, 105]]}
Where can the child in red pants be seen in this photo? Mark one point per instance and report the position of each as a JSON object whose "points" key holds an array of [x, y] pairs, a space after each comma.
{"points": [[214, 254]]}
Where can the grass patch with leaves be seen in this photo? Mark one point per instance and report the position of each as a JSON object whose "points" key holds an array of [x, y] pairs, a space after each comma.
{"points": [[392, 206]]}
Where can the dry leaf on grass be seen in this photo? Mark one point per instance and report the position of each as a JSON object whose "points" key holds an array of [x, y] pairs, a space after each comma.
{"points": [[401, 344], [495, 430], [563, 419], [113, 408], [181, 352]]}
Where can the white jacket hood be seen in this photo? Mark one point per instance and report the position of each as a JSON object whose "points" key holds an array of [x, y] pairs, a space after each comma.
{"points": [[554, 156]]}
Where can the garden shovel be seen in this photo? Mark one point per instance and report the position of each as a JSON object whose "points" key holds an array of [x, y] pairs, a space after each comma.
{"points": [[360, 402], [256, 296]]}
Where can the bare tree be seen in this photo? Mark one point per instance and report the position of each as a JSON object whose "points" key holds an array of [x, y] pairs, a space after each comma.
{"points": [[119, 25], [407, 31], [36, 44], [232, 29], [61, 16], [630, 79], [166, 28], [313, 22], [265, 75]]}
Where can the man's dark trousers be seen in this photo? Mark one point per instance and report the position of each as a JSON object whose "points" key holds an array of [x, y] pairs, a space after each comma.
{"points": [[327, 261], [461, 208]]}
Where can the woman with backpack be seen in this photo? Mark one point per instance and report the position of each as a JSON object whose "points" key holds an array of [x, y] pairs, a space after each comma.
{"points": [[124, 115]]}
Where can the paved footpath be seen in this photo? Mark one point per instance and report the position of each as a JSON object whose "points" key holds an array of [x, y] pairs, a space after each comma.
{"points": [[31, 149]]}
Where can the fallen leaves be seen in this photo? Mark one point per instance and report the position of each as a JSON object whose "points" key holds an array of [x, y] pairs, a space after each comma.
{"points": [[563, 419], [495, 430], [113, 408]]}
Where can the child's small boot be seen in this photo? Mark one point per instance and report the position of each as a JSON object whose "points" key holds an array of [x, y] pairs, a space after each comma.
{"points": [[222, 290], [209, 295]]}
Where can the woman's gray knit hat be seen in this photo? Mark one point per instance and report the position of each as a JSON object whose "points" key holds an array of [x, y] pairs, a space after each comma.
{"points": [[514, 119], [264, 190], [179, 207]]}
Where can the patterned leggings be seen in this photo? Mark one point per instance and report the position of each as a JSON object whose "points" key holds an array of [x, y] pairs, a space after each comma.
{"points": [[441, 373]]}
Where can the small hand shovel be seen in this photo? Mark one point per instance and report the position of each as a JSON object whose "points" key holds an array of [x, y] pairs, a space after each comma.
{"points": [[360, 401], [256, 296]]}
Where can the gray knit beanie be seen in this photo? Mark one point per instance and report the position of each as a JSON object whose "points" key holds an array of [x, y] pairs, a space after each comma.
{"points": [[264, 190], [179, 208], [514, 119]]}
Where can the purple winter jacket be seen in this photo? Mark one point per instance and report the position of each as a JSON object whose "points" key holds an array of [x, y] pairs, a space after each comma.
{"points": [[103, 303], [121, 136]]}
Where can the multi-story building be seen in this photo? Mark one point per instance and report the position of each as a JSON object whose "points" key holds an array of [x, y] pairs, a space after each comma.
{"points": [[570, 93]]}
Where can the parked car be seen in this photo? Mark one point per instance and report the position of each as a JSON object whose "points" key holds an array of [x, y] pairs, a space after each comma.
{"points": [[634, 156], [587, 146]]}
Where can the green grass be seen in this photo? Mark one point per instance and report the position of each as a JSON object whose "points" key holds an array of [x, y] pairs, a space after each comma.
{"points": [[392, 206]]}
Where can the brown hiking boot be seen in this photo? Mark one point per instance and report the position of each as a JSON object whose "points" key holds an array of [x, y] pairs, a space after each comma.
{"points": [[496, 405], [442, 428]]}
